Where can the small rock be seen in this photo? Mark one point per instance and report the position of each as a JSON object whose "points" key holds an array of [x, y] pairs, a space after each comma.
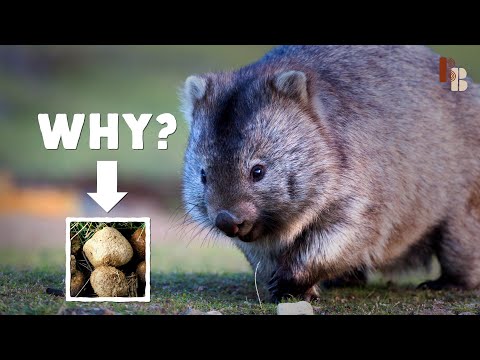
{"points": [[214, 312], [200, 288], [82, 311], [157, 309], [299, 308], [191, 311], [466, 313]]}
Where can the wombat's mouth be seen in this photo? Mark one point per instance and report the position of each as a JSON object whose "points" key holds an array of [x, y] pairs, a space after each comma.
{"points": [[252, 235], [247, 238]]}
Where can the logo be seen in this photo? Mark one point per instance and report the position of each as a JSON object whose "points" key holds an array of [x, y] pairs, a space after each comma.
{"points": [[456, 75]]}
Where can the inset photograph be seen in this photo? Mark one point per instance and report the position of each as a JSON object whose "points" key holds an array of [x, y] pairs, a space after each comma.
{"points": [[108, 259]]}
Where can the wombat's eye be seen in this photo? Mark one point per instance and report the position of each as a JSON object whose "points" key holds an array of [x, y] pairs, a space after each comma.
{"points": [[203, 176], [258, 172]]}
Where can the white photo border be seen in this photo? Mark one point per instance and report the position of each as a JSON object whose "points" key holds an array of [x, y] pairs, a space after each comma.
{"points": [[145, 298]]}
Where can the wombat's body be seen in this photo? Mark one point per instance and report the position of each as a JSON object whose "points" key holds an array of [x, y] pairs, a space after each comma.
{"points": [[366, 162]]}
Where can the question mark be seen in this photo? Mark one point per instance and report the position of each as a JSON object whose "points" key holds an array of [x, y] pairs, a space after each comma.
{"points": [[171, 127]]}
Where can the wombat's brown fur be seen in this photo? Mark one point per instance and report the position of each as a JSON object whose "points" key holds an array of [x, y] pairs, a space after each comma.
{"points": [[327, 161]]}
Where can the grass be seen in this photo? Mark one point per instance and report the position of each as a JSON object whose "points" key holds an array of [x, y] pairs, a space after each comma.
{"points": [[85, 230], [210, 278], [23, 292]]}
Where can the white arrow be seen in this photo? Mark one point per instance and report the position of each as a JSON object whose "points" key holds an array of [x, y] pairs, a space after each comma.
{"points": [[107, 196]]}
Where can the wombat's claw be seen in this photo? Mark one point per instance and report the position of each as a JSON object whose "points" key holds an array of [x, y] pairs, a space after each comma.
{"points": [[282, 286], [311, 294], [438, 284]]}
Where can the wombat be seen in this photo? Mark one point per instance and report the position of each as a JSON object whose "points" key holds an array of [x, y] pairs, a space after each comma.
{"points": [[324, 163]]}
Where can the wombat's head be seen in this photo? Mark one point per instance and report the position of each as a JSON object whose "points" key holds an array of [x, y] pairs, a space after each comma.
{"points": [[257, 162]]}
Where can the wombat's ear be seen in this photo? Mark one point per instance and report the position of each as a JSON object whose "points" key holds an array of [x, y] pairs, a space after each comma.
{"points": [[194, 90], [292, 83]]}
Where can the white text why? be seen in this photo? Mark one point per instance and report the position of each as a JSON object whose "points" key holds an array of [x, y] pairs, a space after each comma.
{"points": [[71, 135]]}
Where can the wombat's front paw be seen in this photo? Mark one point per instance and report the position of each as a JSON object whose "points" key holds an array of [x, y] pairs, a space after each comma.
{"points": [[441, 283], [282, 284]]}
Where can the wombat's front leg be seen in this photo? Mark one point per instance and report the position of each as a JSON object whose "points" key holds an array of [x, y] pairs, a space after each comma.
{"points": [[284, 284], [300, 269]]}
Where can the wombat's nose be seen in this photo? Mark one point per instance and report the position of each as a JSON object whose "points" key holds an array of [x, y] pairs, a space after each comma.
{"points": [[227, 223]]}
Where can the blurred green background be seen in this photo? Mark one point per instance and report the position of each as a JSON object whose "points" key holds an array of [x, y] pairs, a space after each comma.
{"points": [[104, 79], [100, 79], [120, 79]]}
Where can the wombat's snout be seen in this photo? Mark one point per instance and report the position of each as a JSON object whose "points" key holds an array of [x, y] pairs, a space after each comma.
{"points": [[228, 223], [234, 224]]}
